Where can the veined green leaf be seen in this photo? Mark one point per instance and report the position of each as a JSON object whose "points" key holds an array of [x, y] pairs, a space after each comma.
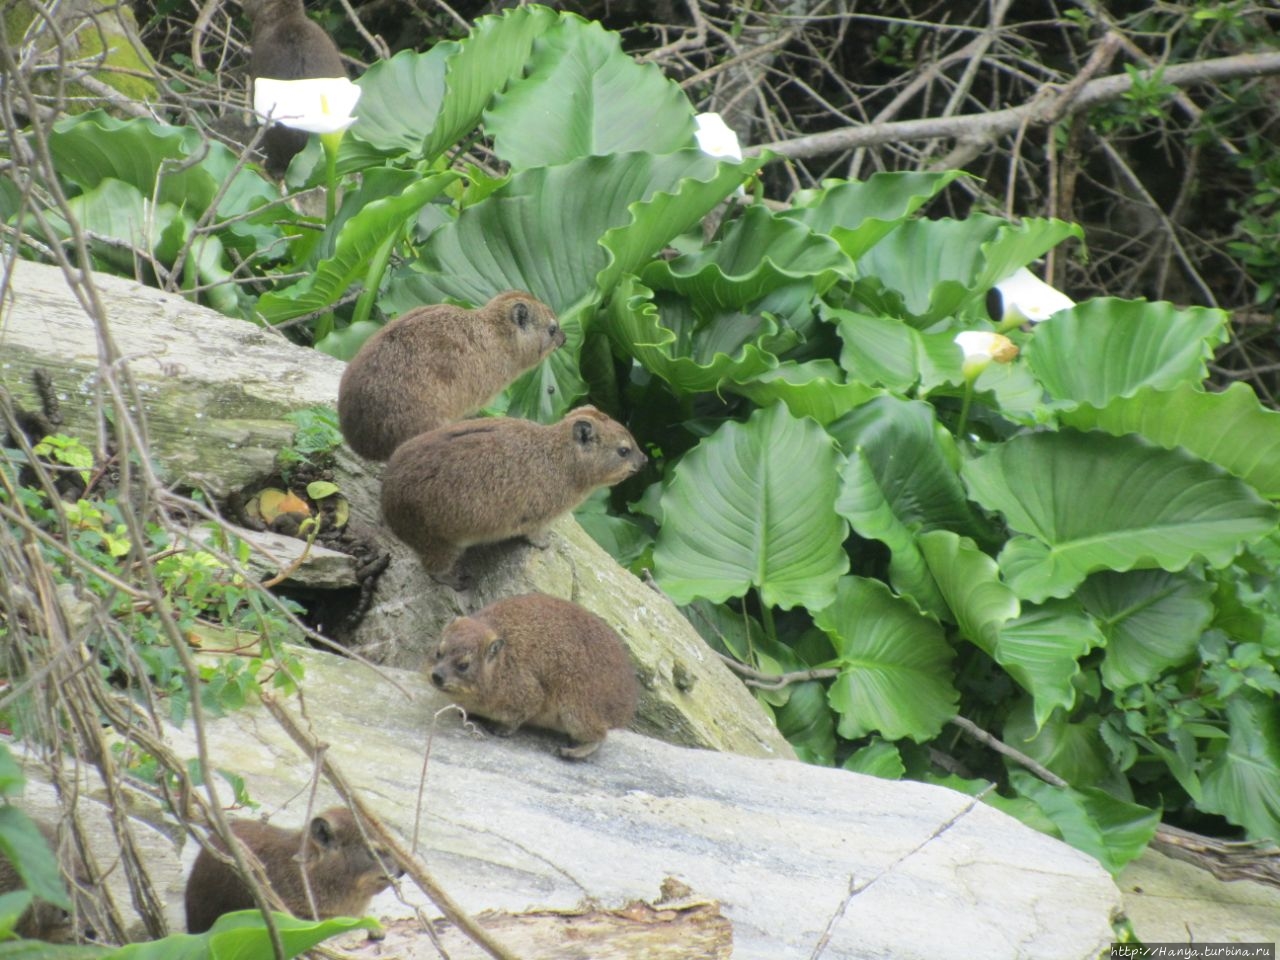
{"points": [[581, 95], [1106, 348], [401, 100], [1041, 649], [1243, 784], [1085, 502], [1152, 620], [1231, 429], [738, 514], [894, 663], [815, 388]]}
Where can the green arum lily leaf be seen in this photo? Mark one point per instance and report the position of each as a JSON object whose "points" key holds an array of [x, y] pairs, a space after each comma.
{"points": [[885, 351], [1243, 784], [815, 388], [581, 95], [1105, 348], [807, 723], [1152, 620], [739, 514], [243, 934], [1039, 646], [894, 662], [423, 103], [879, 758], [1111, 831], [859, 214], [755, 255], [1074, 750], [1230, 428], [173, 165], [926, 270], [400, 103], [377, 223], [900, 479], [552, 230], [694, 355], [1084, 502], [23, 845]]}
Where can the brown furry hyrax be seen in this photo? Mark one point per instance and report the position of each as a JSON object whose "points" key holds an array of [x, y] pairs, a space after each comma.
{"points": [[541, 661], [482, 481], [343, 872], [287, 45], [436, 364], [42, 920]]}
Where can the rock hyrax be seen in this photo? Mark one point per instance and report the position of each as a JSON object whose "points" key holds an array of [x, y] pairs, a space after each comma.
{"points": [[487, 480], [542, 661], [287, 45], [436, 364], [42, 920], [343, 872]]}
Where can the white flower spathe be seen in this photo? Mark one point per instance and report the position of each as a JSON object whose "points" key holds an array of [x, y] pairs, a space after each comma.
{"points": [[983, 346], [1024, 297], [715, 138], [316, 105]]}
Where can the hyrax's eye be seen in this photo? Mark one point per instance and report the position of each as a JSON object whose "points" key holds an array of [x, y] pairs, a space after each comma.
{"points": [[463, 665], [624, 452]]}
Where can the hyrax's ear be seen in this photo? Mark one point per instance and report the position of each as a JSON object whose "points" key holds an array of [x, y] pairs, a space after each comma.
{"points": [[494, 648], [520, 314], [583, 431], [322, 832]]}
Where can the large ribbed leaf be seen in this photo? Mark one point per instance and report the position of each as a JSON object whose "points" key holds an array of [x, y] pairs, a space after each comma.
{"points": [[581, 95], [1110, 830], [1152, 620], [970, 581], [929, 269], [401, 99], [757, 254], [1230, 428], [894, 662], [1042, 648], [753, 506], [858, 214], [1243, 784], [1107, 348], [889, 352], [815, 388], [1085, 502]]}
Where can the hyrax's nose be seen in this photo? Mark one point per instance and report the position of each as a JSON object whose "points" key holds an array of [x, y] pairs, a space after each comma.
{"points": [[437, 677]]}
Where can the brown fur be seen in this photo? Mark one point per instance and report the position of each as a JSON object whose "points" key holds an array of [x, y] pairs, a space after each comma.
{"points": [[43, 920], [344, 873], [488, 480], [538, 660], [288, 45], [438, 363]]}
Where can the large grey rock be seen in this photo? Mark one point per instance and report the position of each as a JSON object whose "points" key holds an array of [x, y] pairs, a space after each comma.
{"points": [[215, 392], [508, 825]]}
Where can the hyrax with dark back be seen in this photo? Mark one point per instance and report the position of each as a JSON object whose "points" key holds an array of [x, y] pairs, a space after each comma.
{"points": [[287, 45], [486, 480], [542, 661], [343, 872], [436, 364]]}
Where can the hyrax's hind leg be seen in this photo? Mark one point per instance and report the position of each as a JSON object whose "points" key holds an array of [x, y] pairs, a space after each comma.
{"points": [[580, 751], [585, 736], [440, 560]]}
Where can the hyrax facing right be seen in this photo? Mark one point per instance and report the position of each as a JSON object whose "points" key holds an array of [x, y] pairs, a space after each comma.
{"points": [[343, 872], [436, 364], [539, 660], [487, 480]]}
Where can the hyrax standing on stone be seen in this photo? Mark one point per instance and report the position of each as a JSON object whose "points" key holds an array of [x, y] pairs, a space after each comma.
{"points": [[343, 872], [488, 480], [287, 45], [436, 364], [542, 661]]}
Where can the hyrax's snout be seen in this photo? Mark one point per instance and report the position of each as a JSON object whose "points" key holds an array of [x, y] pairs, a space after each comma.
{"points": [[437, 677]]}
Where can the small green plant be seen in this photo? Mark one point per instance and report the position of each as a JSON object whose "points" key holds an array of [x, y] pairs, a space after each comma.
{"points": [[316, 437], [68, 451]]}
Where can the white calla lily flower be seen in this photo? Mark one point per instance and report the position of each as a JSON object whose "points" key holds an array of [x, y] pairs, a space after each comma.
{"points": [[317, 105], [981, 347], [1025, 298], [715, 138]]}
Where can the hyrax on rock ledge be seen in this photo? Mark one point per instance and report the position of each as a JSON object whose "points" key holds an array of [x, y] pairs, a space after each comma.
{"points": [[488, 480], [344, 874], [436, 364], [542, 661]]}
